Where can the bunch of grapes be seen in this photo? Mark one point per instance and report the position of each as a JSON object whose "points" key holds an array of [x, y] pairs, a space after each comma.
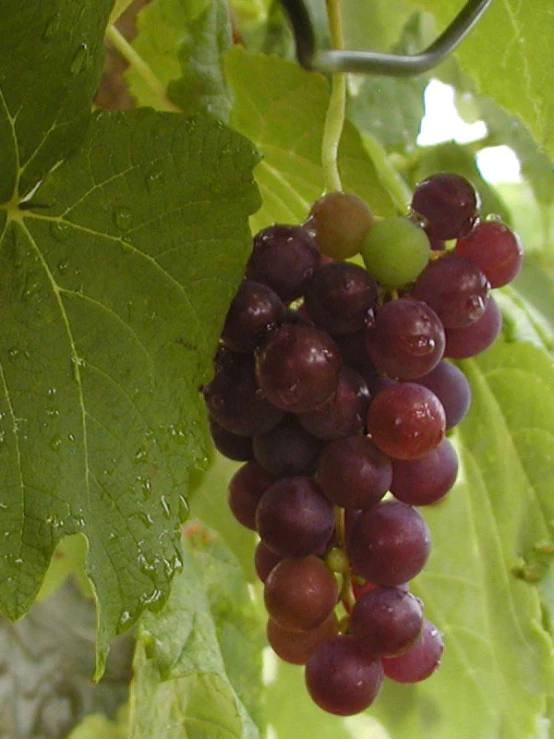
{"points": [[332, 385]]}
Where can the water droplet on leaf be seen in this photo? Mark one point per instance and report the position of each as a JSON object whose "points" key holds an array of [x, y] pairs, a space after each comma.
{"points": [[80, 60], [60, 230], [123, 218]]}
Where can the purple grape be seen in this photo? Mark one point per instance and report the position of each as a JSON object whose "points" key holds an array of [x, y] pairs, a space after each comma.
{"points": [[235, 401], [232, 446], [283, 257], [354, 353], [462, 343], [340, 297], [448, 204], [406, 340], [389, 543], [300, 594], [344, 413], [265, 560], [406, 420], [255, 310], [353, 472], [298, 367], [294, 518], [342, 677], [495, 249], [296, 646], [455, 288], [287, 449], [427, 479], [420, 660], [451, 387], [387, 620], [246, 487]]}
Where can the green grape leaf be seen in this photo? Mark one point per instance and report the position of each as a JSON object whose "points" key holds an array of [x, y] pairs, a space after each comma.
{"points": [[493, 538], [182, 43], [391, 108], [99, 726], [198, 662], [50, 64], [375, 25], [118, 273], [510, 55], [282, 108], [506, 129]]}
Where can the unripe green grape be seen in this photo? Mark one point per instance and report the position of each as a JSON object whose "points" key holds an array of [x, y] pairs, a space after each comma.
{"points": [[395, 250], [338, 221]]}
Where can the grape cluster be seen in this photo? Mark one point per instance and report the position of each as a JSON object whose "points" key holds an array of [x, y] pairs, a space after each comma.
{"points": [[332, 384]]}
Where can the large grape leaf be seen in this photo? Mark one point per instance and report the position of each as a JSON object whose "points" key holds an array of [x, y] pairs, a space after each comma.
{"points": [[492, 538], [198, 662], [117, 275], [182, 42], [282, 108], [50, 63], [510, 55]]}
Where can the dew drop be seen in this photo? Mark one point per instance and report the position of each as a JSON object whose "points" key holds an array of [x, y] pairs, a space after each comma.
{"points": [[146, 488], [146, 519], [13, 353], [123, 218], [71, 437], [165, 506], [124, 620], [51, 27], [52, 412], [184, 509], [56, 443], [140, 455], [80, 60], [3, 507], [63, 266], [51, 393], [60, 230], [494, 217], [154, 177]]}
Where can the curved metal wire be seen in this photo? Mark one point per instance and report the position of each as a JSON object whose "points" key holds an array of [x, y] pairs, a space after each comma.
{"points": [[372, 62]]}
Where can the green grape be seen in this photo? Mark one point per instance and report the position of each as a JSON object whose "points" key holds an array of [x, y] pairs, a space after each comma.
{"points": [[338, 221], [395, 251]]}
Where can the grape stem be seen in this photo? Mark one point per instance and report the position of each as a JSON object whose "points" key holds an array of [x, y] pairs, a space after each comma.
{"points": [[334, 119], [346, 595], [142, 68]]}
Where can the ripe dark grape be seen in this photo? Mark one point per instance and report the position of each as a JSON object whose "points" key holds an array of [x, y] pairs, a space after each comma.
{"points": [[341, 677], [387, 620], [448, 203], [354, 353], [389, 543], [395, 250], [339, 221], [300, 594], [420, 660], [294, 518], [344, 413], [406, 340], [495, 249], [427, 479], [455, 288], [246, 487], [353, 472], [283, 257], [235, 401], [232, 446], [265, 560], [296, 646], [451, 387], [340, 297], [467, 342], [287, 449], [298, 367], [255, 309], [406, 420]]}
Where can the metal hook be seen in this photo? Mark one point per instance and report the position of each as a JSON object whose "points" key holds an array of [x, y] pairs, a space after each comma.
{"points": [[372, 62]]}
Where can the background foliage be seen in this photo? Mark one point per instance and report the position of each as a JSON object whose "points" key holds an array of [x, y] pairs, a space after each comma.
{"points": [[122, 238]]}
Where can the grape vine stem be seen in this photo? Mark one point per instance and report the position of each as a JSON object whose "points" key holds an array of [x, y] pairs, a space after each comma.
{"points": [[142, 68], [334, 119]]}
